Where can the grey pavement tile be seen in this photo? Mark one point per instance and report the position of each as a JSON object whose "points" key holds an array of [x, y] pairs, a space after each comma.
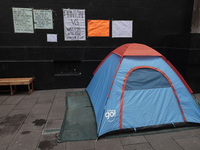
{"points": [[59, 102], [197, 95], [41, 108], [133, 140], [53, 124], [196, 132], [142, 146], [32, 117], [2, 98], [80, 145], [48, 142], [1, 102], [17, 118], [25, 140], [7, 132], [13, 100], [5, 110], [48, 92], [1, 119], [189, 143], [34, 95], [3, 146], [45, 99], [26, 103], [108, 144], [162, 141], [56, 113], [20, 111], [31, 127], [75, 89], [181, 134], [61, 93]]}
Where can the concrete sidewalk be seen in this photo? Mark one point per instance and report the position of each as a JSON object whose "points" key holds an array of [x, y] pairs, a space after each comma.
{"points": [[23, 118]]}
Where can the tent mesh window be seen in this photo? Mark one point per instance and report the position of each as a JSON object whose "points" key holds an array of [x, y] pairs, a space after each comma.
{"points": [[145, 78]]}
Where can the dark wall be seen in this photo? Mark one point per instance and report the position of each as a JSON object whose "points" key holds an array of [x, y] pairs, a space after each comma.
{"points": [[30, 55], [183, 51]]}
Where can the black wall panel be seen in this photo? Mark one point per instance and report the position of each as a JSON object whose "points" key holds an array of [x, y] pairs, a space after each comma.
{"points": [[23, 54]]}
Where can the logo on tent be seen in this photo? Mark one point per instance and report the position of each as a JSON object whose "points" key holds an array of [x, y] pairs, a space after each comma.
{"points": [[110, 115]]}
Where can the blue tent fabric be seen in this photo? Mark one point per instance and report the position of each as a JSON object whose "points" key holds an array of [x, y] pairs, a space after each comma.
{"points": [[100, 84], [148, 97]]}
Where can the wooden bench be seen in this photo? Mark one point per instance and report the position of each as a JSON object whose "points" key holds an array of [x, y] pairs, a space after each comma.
{"points": [[14, 82]]}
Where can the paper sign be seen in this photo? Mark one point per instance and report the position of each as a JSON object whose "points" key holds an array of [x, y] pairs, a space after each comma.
{"points": [[23, 20], [51, 37], [74, 24], [122, 29], [98, 28], [43, 19]]}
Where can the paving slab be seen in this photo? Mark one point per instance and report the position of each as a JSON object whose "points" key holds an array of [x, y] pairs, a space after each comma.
{"points": [[142, 146], [45, 99], [5, 110], [41, 108], [34, 95], [7, 132], [53, 124], [56, 113], [26, 103], [13, 100], [162, 142], [31, 127], [1, 102], [80, 145], [197, 95], [17, 118], [133, 140], [2, 98], [181, 134], [25, 140], [59, 102], [108, 144], [189, 143], [34, 122], [48, 92], [48, 142], [61, 93], [196, 132], [32, 117]]}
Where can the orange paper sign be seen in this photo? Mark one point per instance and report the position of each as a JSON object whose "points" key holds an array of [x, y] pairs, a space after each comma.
{"points": [[98, 28]]}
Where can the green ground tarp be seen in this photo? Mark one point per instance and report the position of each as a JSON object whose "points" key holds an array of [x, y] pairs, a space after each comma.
{"points": [[79, 121]]}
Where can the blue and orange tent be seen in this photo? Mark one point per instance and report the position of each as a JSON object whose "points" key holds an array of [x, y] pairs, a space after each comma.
{"points": [[135, 86]]}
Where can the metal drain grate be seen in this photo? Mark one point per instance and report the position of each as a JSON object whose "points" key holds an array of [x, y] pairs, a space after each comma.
{"points": [[50, 131]]}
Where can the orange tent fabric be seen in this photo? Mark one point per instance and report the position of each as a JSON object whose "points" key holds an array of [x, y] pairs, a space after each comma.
{"points": [[135, 49]]}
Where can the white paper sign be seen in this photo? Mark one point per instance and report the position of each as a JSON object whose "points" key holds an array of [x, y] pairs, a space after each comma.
{"points": [[74, 24], [51, 37], [43, 19], [23, 20], [122, 29]]}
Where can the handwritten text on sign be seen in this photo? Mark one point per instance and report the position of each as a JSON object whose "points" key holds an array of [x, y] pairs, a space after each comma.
{"points": [[74, 24], [43, 19], [23, 20]]}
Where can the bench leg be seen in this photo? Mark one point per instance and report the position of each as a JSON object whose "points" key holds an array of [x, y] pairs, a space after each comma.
{"points": [[13, 91], [29, 89]]}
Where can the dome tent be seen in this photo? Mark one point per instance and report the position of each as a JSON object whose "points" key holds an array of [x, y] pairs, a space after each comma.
{"points": [[135, 86]]}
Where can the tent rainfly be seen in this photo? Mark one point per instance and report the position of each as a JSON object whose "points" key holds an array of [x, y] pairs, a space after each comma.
{"points": [[135, 86]]}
